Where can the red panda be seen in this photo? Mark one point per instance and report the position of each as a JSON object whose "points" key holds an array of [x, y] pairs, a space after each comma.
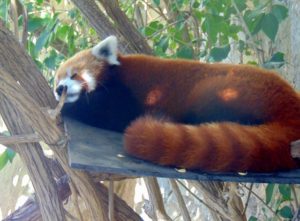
{"points": [[188, 114]]}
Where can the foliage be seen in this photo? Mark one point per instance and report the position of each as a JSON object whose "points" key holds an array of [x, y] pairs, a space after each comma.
{"points": [[279, 197], [55, 32], [6, 154], [208, 30]]}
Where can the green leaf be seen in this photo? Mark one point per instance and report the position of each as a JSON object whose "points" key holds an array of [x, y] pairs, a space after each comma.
{"points": [[241, 4], [270, 26], [275, 62], [198, 14], [234, 29], [35, 23], [63, 31], [252, 218], [252, 63], [71, 43], [30, 49], [241, 46], [164, 43], [254, 21], [196, 4], [277, 57], [219, 53], [269, 192], [50, 61], [3, 159], [72, 13], [4, 9], [179, 4], [285, 191], [286, 212], [185, 52], [42, 40], [152, 28], [280, 12], [45, 35], [10, 154], [213, 25], [156, 2]]}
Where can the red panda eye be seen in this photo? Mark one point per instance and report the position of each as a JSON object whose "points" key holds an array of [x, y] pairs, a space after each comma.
{"points": [[73, 75]]}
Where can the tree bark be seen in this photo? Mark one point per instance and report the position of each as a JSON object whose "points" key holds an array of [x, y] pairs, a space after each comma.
{"points": [[31, 90], [31, 154], [30, 210], [131, 41], [294, 66], [129, 32], [99, 21], [231, 209]]}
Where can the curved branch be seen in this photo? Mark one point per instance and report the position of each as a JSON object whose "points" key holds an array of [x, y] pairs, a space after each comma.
{"points": [[133, 37], [182, 206], [42, 123], [99, 21], [26, 80], [18, 139]]}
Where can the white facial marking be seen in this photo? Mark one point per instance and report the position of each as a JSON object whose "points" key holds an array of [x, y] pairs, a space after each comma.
{"points": [[73, 91], [107, 49], [69, 72], [90, 80], [57, 97]]}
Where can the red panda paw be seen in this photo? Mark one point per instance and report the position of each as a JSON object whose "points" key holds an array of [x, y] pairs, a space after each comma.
{"points": [[143, 138]]}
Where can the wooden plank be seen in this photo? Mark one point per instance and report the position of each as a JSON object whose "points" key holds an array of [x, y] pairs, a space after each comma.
{"points": [[93, 149]]}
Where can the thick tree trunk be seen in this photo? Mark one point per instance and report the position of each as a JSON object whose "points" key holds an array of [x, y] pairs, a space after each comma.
{"points": [[31, 154], [25, 75], [131, 41], [30, 210], [294, 14], [21, 103], [129, 32]]}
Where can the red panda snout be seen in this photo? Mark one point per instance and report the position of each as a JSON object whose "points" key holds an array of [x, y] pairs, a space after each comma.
{"points": [[75, 83], [74, 89]]}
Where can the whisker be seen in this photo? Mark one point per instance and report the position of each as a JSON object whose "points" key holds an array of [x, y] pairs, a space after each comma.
{"points": [[102, 85], [87, 97]]}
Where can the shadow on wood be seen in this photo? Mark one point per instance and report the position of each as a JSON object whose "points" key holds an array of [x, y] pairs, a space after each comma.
{"points": [[102, 151]]}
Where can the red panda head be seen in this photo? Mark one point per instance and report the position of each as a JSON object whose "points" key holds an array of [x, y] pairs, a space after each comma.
{"points": [[82, 72]]}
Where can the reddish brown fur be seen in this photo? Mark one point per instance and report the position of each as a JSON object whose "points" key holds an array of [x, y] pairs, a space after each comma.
{"points": [[226, 146], [177, 87]]}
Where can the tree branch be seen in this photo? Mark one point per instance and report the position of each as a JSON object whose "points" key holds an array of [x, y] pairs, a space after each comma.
{"points": [[31, 212], [26, 80], [182, 206], [247, 31], [111, 206], [126, 27], [99, 21], [42, 123], [156, 198], [14, 58], [18, 139]]}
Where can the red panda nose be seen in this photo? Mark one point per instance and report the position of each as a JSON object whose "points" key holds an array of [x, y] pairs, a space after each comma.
{"points": [[59, 90]]}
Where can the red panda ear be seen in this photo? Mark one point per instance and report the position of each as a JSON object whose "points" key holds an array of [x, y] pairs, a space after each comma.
{"points": [[107, 50]]}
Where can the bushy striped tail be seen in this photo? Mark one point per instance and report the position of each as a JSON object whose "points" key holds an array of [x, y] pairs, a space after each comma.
{"points": [[224, 146]]}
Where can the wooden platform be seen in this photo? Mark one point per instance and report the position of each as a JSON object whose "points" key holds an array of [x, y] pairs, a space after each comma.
{"points": [[101, 151]]}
